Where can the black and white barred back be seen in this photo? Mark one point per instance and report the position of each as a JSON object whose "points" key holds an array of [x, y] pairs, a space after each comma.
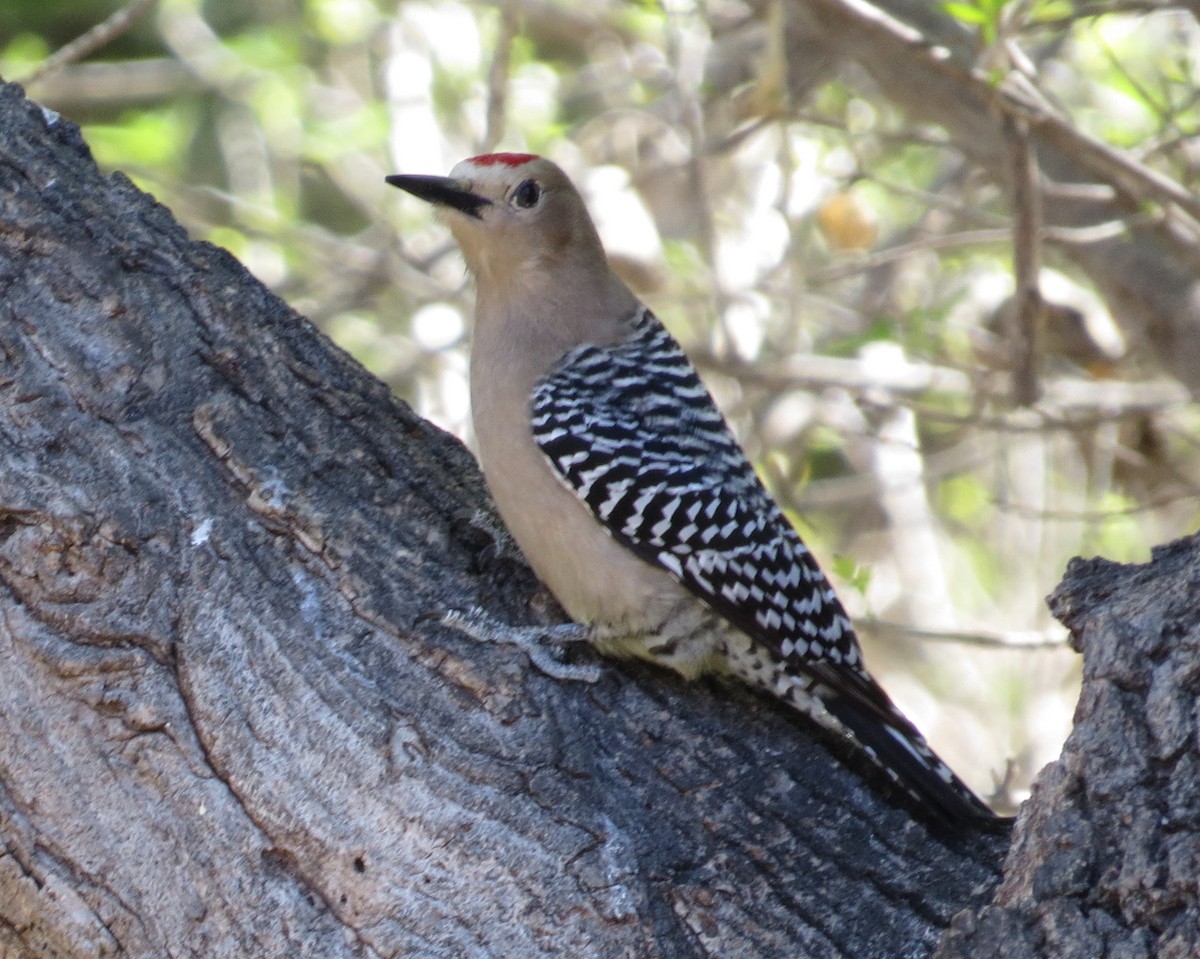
{"points": [[633, 432]]}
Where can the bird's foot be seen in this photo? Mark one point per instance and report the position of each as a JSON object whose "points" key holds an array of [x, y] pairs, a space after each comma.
{"points": [[538, 642]]}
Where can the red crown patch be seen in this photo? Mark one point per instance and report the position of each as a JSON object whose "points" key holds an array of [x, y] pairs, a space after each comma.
{"points": [[504, 159]]}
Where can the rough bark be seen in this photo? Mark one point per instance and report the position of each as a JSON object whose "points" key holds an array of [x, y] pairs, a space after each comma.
{"points": [[1106, 860], [229, 725]]}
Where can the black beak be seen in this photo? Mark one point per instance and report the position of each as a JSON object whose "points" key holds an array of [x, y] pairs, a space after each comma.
{"points": [[441, 191]]}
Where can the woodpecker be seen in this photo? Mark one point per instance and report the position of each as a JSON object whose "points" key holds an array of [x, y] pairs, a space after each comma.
{"points": [[625, 488]]}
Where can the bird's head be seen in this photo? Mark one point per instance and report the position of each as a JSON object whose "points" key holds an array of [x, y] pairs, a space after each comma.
{"points": [[511, 213]]}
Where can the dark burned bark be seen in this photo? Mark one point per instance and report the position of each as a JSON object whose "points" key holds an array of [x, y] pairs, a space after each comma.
{"points": [[229, 728]]}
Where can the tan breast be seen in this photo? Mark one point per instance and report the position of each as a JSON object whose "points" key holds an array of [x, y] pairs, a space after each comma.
{"points": [[592, 576]]}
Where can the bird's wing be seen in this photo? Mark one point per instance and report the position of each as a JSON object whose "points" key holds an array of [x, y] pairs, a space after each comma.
{"points": [[633, 432]]}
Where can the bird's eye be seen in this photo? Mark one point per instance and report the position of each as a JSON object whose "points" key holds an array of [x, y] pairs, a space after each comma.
{"points": [[527, 194]]}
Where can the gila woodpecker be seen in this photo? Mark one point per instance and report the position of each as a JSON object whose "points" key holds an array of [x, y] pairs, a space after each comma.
{"points": [[624, 487]]}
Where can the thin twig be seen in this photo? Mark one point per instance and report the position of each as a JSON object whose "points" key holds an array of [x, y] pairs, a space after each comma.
{"points": [[1062, 235], [1065, 400], [686, 89], [1026, 311], [1094, 515], [91, 41], [1022, 640], [863, 264], [497, 104]]}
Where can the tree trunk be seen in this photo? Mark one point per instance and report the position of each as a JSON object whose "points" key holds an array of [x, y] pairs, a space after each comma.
{"points": [[1106, 862], [230, 724]]}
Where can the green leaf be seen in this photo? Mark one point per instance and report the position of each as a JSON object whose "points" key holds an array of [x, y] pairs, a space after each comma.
{"points": [[850, 571], [145, 138], [965, 12]]}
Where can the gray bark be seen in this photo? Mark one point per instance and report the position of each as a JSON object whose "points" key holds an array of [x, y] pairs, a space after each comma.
{"points": [[1106, 860]]}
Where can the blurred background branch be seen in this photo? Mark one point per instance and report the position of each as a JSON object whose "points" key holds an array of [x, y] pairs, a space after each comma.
{"points": [[91, 41]]}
